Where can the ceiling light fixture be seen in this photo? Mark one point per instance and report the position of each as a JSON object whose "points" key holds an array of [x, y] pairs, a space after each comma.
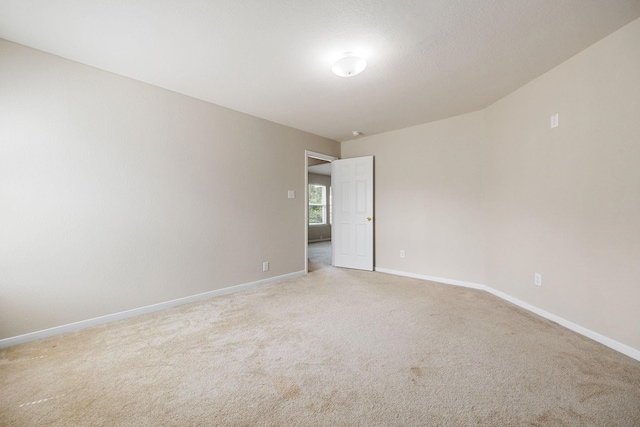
{"points": [[349, 65], [356, 133]]}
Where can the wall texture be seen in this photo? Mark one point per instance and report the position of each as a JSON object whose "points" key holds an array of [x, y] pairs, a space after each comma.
{"points": [[429, 197], [496, 196], [115, 194], [565, 202], [321, 232]]}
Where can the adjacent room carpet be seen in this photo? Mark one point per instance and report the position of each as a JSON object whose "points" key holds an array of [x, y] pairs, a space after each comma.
{"points": [[333, 348]]}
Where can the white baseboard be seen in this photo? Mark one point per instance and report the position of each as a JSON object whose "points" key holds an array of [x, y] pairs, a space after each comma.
{"points": [[432, 278], [611, 343], [83, 324], [319, 240]]}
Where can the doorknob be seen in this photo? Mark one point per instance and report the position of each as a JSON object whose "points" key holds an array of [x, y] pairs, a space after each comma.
{"points": [[368, 218]]}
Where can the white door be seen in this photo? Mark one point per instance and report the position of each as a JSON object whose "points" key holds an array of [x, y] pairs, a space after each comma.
{"points": [[352, 227]]}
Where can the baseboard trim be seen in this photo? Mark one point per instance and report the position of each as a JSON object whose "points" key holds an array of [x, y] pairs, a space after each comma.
{"points": [[97, 321], [319, 240], [611, 343], [432, 278]]}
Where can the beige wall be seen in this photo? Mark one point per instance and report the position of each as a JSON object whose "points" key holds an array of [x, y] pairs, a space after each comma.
{"points": [[565, 202], [115, 194], [429, 197], [320, 232]]}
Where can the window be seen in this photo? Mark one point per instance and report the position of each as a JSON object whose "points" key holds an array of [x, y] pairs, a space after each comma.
{"points": [[317, 204]]}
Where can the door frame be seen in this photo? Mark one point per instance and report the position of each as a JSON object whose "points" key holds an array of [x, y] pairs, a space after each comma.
{"points": [[314, 155]]}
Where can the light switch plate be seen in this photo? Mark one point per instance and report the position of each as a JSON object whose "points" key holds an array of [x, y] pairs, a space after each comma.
{"points": [[291, 194]]}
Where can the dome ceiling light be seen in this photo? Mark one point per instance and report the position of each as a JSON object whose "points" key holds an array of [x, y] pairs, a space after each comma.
{"points": [[349, 65]]}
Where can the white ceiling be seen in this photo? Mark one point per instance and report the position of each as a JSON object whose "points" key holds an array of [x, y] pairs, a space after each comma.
{"points": [[427, 59], [321, 169]]}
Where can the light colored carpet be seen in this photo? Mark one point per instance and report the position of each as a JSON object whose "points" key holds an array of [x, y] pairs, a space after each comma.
{"points": [[319, 255], [334, 348]]}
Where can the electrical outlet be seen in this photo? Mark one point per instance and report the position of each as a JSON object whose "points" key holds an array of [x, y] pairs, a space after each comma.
{"points": [[402, 253], [554, 121], [537, 279], [265, 266]]}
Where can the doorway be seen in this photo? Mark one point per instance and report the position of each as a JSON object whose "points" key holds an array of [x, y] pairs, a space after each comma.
{"points": [[317, 222]]}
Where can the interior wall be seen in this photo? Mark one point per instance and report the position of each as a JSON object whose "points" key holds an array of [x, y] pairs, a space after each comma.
{"points": [[429, 197], [116, 194], [565, 202], [496, 196], [321, 232]]}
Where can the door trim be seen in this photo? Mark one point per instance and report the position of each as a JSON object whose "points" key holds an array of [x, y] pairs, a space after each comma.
{"points": [[314, 155]]}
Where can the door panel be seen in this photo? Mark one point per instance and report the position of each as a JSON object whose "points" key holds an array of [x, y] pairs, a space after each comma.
{"points": [[352, 180]]}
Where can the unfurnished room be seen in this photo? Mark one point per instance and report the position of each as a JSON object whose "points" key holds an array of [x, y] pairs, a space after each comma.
{"points": [[290, 213]]}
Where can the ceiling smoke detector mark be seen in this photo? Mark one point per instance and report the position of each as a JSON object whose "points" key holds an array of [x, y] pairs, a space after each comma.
{"points": [[554, 121]]}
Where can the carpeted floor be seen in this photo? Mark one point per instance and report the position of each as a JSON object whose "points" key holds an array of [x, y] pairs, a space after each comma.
{"points": [[334, 348], [319, 255]]}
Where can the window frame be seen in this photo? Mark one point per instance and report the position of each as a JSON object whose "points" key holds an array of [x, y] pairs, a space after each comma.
{"points": [[325, 214]]}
